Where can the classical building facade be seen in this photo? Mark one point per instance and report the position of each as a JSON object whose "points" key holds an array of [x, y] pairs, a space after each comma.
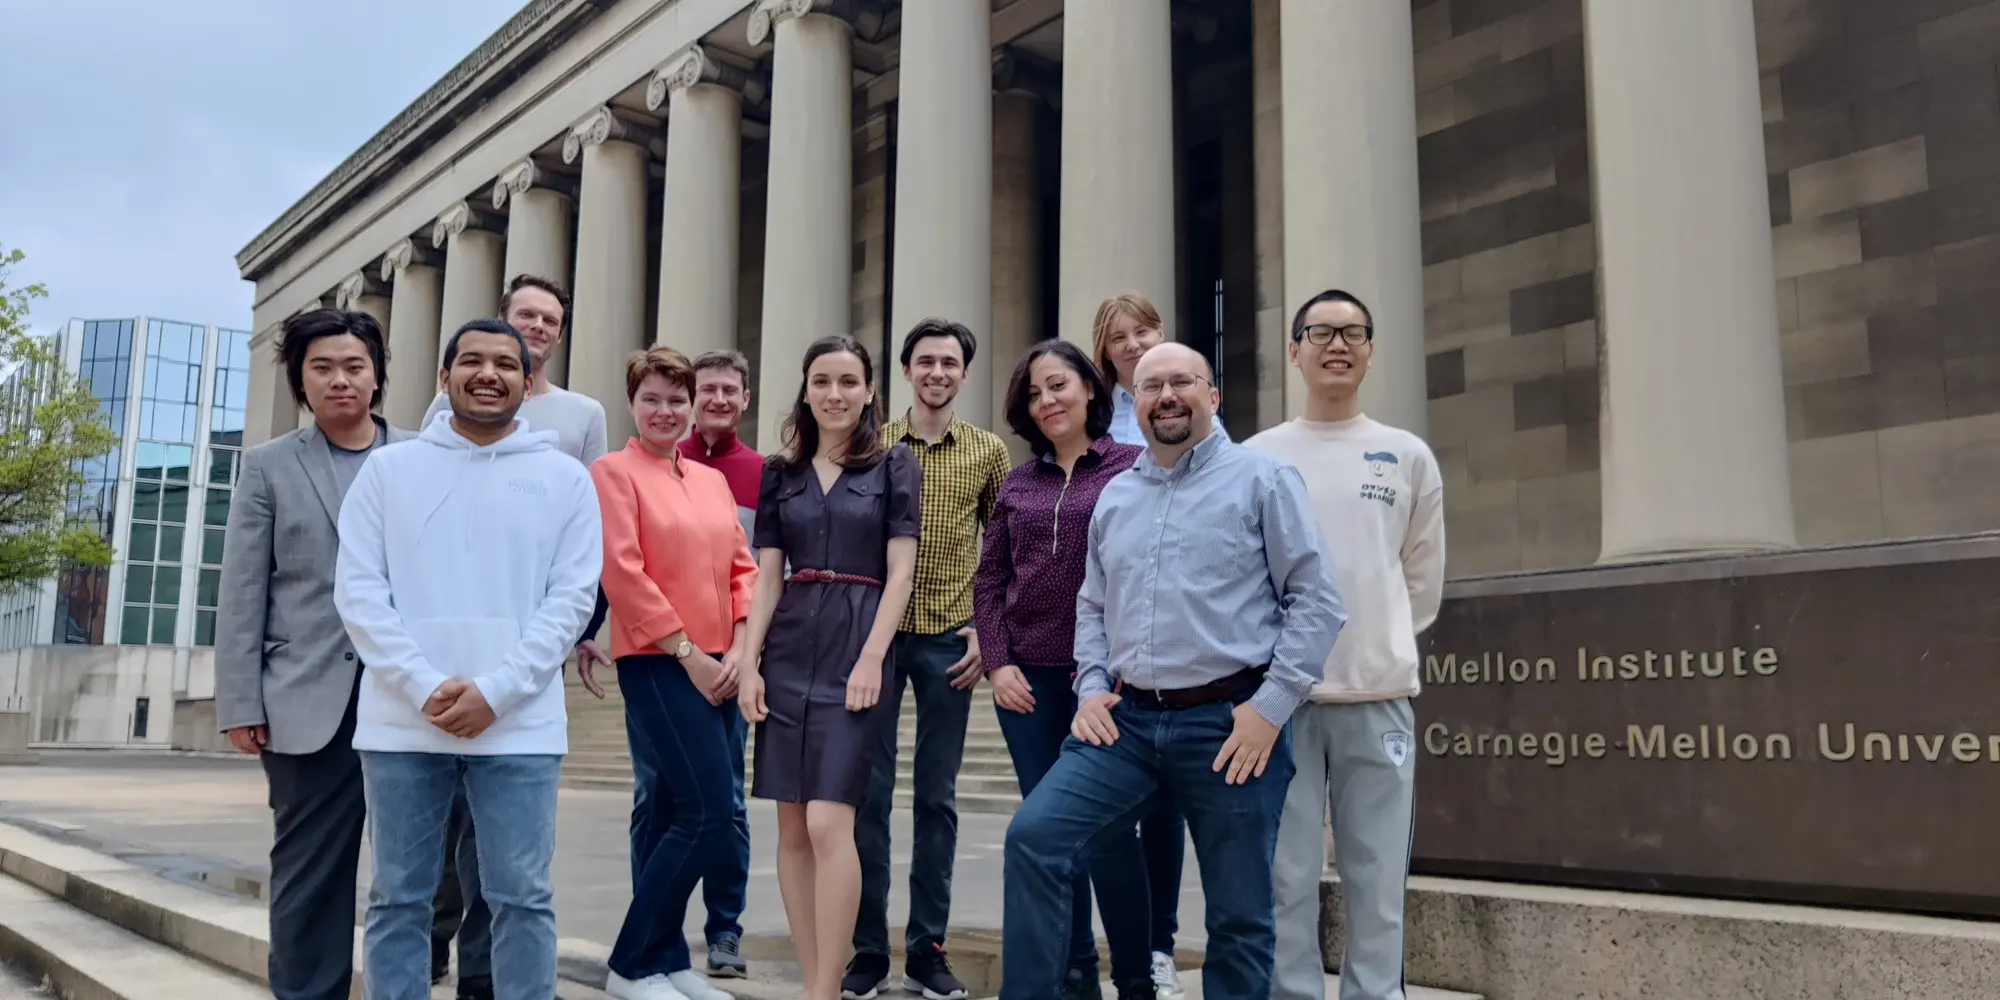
{"points": [[1653, 278]]}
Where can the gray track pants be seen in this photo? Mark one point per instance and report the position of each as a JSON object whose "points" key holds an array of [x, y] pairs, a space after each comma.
{"points": [[1361, 759]]}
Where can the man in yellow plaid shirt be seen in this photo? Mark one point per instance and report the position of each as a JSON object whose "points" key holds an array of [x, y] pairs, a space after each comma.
{"points": [[937, 654]]}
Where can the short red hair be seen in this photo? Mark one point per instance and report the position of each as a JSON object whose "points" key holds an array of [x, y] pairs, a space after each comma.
{"points": [[665, 362]]}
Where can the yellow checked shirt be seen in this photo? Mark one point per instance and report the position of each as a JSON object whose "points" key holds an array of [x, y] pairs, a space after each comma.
{"points": [[962, 475]]}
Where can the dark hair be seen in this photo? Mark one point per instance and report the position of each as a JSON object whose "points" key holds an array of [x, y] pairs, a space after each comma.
{"points": [[1330, 295], [486, 326], [1097, 416], [548, 285], [300, 331], [801, 430], [665, 362], [731, 360], [935, 327]]}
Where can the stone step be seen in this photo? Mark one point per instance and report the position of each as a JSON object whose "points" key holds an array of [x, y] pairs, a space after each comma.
{"points": [[86, 957]]}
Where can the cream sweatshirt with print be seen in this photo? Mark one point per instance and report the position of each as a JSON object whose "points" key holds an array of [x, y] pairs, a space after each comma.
{"points": [[1380, 501]]}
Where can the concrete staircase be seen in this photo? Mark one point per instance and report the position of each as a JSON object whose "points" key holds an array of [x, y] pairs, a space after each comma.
{"points": [[599, 757]]}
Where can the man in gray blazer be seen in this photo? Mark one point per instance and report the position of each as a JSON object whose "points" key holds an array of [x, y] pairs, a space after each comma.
{"points": [[286, 677]]}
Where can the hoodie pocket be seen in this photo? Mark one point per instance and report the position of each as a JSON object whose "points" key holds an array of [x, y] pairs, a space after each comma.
{"points": [[466, 647]]}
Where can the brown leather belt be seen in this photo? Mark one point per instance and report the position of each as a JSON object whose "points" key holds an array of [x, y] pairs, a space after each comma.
{"points": [[1228, 688], [829, 576]]}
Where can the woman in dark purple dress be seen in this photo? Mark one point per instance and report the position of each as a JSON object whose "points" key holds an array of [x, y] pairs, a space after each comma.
{"points": [[843, 512]]}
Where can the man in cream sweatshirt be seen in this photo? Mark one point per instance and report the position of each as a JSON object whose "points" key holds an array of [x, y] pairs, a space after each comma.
{"points": [[1380, 503], [469, 561]]}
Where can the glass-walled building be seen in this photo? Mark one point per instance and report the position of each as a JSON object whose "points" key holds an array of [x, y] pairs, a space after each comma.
{"points": [[176, 394]]}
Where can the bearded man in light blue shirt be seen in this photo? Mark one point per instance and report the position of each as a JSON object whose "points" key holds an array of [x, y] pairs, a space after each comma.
{"points": [[1207, 609]]}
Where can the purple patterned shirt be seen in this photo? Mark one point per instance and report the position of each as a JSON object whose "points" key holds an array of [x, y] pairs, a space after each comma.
{"points": [[1031, 565]]}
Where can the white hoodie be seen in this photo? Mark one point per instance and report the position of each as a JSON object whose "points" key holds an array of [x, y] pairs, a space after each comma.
{"points": [[463, 561]]}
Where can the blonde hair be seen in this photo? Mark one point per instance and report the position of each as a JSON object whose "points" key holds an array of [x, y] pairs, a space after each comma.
{"points": [[1129, 304]]}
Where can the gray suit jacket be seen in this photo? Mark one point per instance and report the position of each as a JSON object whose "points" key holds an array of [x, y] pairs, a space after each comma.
{"points": [[282, 657]]}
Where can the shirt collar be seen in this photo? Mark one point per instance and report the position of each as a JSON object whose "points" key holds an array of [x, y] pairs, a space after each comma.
{"points": [[1197, 457], [699, 446], [903, 429], [1097, 448]]}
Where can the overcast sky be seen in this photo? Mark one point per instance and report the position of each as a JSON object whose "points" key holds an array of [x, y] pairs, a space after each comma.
{"points": [[147, 141]]}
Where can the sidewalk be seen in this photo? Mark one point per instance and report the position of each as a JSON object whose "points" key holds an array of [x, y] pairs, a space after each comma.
{"points": [[206, 819]]}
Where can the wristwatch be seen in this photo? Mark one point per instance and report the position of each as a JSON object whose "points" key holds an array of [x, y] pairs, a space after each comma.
{"points": [[684, 650]]}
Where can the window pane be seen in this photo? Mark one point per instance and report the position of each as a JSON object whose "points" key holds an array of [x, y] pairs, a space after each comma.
{"points": [[146, 502], [152, 455], [204, 628], [209, 589], [211, 546], [174, 505], [179, 458], [163, 626], [218, 507], [170, 544], [134, 631], [221, 466], [90, 340], [167, 585], [140, 547], [138, 583]]}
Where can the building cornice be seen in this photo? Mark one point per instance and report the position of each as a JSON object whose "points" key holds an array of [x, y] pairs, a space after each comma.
{"points": [[519, 44]]}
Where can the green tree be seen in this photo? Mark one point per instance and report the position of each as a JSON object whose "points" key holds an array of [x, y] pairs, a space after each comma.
{"points": [[49, 423]]}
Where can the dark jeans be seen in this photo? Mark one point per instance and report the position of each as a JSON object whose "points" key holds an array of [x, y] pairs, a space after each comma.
{"points": [[942, 712], [318, 807], [1035, 741], [1164, 838], [724, 891], [685, 742], [1095, 793]]}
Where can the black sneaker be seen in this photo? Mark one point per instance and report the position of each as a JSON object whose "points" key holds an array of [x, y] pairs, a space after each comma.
{"points": [[1082, 984], [725, 958], [1139, 989], [475, 988], [440, 959], [866, 975], [929, 972]]}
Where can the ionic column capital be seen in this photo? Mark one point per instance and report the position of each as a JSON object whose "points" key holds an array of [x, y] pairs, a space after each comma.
{"points": [[402, 254], [693, 65], [868, 18], [603, 125], [525, 176], [460, 217], [347, 295]]}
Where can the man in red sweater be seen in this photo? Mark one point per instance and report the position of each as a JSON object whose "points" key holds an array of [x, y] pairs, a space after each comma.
{"points": [[721, 392]]}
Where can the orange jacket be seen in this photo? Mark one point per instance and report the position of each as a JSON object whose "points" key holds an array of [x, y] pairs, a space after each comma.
{"points": [[675, 558]]}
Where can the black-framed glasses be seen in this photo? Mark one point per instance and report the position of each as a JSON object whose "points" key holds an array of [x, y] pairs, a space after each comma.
{"points": [[1322, 334]]}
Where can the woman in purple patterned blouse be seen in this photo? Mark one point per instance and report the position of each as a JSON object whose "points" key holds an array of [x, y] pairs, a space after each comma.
{"points": [[1024, 604]]}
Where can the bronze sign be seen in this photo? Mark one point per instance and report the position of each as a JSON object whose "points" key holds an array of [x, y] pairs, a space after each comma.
{"points": [[1815, 727]]}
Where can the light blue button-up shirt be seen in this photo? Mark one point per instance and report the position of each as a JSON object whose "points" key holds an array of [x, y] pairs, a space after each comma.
{"points": [[1125, 418], [1197, 572]]}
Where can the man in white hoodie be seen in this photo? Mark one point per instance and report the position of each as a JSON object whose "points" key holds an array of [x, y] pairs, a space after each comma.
{"points": [[469, 560], [1379, 501]]}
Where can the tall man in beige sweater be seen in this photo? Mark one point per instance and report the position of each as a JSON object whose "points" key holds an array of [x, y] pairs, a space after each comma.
{"points": [[1380, 503]]}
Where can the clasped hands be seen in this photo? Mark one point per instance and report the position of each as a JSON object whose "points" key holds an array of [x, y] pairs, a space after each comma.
{"points": [[458, 707]]}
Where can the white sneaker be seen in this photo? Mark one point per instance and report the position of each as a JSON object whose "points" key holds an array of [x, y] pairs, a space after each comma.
{"points": [[1166, 978], [695, 986], [649, 988]]}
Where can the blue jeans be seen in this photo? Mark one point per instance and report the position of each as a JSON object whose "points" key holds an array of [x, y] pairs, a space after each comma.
{"points": [[1095, 793], [1035, 741], [513, 803], [685, 742], [1163, 836], [724, 891], [942, 714]]}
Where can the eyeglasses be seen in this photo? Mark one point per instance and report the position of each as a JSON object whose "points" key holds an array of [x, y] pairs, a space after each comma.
{"points": [[1178, 383], [1322, 334]]}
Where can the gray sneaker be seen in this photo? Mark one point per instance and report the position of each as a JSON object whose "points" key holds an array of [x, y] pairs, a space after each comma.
{"points": [[725, 959]]}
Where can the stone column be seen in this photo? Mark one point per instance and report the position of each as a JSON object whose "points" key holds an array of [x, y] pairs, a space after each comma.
{"points": [[361, 292], [538, 235], [700, 229], [414, 311], [473, 254], [1017, 249], [944, 183], [610, 300], [1351, 213], [810, 227], [1117, 158], [1693, 421]]}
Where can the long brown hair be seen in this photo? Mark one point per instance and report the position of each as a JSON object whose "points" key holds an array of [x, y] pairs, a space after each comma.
{"points": [[1127, 304], [801, 429]]}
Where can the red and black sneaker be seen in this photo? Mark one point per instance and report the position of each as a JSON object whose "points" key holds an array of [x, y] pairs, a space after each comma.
{"points": [[929, 972]]}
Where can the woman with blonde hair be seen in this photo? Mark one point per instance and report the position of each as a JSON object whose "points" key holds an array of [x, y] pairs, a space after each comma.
{"points": [[678, 577]]}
